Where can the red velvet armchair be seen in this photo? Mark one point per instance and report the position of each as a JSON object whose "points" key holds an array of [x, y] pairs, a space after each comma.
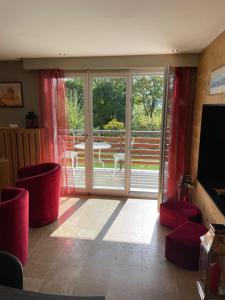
{"points": [[43, 183], [14, 222]]}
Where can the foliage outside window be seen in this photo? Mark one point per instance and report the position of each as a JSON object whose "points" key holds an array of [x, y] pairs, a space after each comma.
{"points": [[109, 99]]}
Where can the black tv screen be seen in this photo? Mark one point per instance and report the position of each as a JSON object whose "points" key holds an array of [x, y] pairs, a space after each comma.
{"points": [[211, 164]]}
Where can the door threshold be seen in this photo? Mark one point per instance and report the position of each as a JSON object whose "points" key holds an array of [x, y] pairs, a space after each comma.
{"points": [[122, 197]]}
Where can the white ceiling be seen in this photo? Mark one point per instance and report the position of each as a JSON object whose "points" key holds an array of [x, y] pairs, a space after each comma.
{"points": [[44, 28]]}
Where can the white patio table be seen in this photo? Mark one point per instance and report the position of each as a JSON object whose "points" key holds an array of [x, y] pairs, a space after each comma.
{"points": [[96, 146]]}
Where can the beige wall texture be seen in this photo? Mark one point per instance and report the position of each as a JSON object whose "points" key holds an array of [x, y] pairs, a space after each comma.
{"points": [[113, 62], [11, 71], [211, 58]]}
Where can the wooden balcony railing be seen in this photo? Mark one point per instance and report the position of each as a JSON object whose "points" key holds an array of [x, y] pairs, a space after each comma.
{"points": [[145, 148]]}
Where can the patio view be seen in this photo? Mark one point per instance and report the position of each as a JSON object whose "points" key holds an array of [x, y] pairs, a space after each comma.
{"points": [[112, 131]]}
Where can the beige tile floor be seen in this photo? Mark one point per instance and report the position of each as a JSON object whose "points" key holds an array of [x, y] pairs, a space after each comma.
{"points": [[110, 247]]}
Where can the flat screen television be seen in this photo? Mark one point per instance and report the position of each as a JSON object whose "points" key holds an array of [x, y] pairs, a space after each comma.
{"points": [[211, 163]]}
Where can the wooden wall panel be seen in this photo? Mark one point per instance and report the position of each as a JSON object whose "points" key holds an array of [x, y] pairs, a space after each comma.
{"points": [[14, 151], [211, 58], [2, 145], [32, 145], [21, 162], [21, 147], [38, 146], [26, 149]]}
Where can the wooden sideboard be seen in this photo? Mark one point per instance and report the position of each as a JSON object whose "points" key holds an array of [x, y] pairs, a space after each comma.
{"points": [[4, 173], [21, 147]]}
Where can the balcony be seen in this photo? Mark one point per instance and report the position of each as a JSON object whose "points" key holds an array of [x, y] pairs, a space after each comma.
{"points": [[107, 174]]}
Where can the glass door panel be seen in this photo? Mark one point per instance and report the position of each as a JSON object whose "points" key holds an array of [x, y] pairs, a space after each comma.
{"points": [[147, 99], [108, 132], [113, 141], [75, 147]]}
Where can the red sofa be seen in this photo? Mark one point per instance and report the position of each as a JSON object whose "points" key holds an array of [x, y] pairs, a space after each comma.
{"points": [[43, 183], [14, 222]]}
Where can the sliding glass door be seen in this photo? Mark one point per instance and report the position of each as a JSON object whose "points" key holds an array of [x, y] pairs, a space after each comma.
{"points": [[108, 94], [76, 138], [146, 120], [114, 139]]}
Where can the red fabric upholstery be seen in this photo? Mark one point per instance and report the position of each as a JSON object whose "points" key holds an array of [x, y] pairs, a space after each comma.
{"points": [[14, 222], [183, 245], [175, 213], [43, 183], [183, 100]]}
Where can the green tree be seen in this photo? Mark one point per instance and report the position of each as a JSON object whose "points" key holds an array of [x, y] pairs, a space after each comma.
{"points": [[140, 121], [109, 99], [148, 91], [75, 99], [75, 87]]}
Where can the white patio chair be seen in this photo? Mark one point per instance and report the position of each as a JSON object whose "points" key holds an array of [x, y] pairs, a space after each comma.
{"points": [[73, 155], [119, 158]]}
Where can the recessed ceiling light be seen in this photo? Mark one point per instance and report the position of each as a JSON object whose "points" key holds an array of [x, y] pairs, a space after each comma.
{"points": [[62, 54], [175, 50]]}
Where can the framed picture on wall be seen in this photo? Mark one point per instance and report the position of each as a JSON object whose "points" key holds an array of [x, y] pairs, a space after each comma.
{"points": [[217, 81], [11, 94]]}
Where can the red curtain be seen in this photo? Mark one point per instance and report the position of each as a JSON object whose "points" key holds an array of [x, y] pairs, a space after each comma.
{"points": [[181, 129], [54, 121]]}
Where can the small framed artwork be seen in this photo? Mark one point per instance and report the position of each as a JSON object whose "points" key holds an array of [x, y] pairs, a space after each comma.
{"points": [[217, 81], [11, 94]]}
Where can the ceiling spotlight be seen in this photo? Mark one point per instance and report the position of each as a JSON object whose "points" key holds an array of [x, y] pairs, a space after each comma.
{"points": [[175, 50], [62, 54]]}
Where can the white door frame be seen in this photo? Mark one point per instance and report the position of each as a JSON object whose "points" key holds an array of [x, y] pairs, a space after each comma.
{"points": [[108, 191], [84, 76], [140, 72], [88, 76]]}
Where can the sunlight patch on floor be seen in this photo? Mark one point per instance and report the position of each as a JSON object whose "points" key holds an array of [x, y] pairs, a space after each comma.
{"points": [[88, 220], [135, 223], [66, 203]]}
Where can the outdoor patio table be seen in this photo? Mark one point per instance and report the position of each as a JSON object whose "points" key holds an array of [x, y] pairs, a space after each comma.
{"points": [[96, 146]]}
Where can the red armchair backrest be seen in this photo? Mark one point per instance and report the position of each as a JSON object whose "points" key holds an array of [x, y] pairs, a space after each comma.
{"points": [[36, 170], [14, 207], [43, 183]]}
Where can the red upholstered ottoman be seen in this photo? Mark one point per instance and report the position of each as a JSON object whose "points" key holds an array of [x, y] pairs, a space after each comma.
{"points": [[183, 245], [175, 213]]}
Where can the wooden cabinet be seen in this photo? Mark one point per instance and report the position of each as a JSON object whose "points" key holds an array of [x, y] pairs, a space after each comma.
{"points": [[21, 147], [4, 173]]}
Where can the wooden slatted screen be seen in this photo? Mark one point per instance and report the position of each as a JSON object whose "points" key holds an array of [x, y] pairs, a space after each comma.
{"points": [[21, 147]]}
